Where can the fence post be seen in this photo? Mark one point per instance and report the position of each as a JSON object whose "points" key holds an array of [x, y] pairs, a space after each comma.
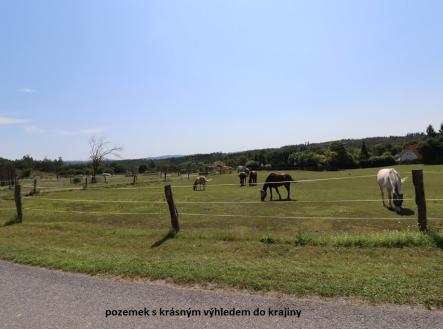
{"points": [[420, 200], [34, 191], [86, 183], [18, 203], [172, 209], [165, 175], [134, 179]]}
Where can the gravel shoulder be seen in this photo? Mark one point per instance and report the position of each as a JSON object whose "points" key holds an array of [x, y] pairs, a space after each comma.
{"points": [[40, 298]]}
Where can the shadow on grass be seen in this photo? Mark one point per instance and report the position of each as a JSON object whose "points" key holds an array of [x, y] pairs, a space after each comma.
{"points": [[9, 222], [402, 212], [406, 212], [170, 235]]}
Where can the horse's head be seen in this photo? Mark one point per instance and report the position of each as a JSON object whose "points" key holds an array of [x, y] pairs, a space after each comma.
{"points": [[262, 195]]}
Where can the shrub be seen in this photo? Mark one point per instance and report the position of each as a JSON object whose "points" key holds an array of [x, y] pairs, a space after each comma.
{"points": [[378, 161], [27, 172]]}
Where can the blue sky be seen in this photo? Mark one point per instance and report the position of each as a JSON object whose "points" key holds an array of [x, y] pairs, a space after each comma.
{"points": [[180, 77]]}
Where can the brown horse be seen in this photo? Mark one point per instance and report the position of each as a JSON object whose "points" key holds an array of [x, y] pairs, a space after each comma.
{"points": [[200, 183], [252, 178], [242, 176], [273, 181]]}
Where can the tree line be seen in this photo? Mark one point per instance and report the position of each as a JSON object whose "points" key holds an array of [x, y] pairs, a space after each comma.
{"points": [[334, 155]]}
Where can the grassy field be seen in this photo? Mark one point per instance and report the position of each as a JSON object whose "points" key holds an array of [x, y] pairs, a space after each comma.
{"points": [[326, 245]]}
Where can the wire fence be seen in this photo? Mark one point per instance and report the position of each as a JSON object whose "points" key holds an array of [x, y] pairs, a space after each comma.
{"points": [[70, 200], [209, 215]]}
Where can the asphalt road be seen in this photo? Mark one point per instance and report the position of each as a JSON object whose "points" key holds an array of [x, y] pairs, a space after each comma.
{"points": [[38, 298]]}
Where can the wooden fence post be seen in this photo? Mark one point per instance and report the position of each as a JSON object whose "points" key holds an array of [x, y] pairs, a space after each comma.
{"points": [[420, 200], [134, 179], [34, 191], [172, 209], [86, 183], [165, 176], [18, 203]]}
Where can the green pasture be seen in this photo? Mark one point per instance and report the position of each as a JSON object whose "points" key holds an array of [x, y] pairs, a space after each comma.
{"points": [[321, 244]]}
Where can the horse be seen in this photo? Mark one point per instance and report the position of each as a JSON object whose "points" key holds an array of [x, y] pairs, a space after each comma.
{"points": [[389, 179], [252, 178], [274, 181], [200, 181], [242, 176], [105, 175]]}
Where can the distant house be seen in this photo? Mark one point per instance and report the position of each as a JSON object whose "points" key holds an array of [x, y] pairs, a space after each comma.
{"points": [[409, 153]]}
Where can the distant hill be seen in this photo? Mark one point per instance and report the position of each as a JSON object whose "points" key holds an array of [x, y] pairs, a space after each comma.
{"points": [[164, 157]]}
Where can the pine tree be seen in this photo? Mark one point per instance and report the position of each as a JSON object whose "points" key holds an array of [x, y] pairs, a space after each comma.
{"points": [[364, 154], [430, 131]]}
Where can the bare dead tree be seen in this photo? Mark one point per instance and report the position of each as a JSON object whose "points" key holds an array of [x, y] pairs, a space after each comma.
{"points": [[99, 150]]}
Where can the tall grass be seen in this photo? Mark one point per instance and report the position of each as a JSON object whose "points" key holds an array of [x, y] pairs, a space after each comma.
{"points": [[384, 239]]}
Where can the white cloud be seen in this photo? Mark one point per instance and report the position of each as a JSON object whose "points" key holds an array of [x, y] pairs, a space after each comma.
{"points": [[33, 130], [11, 121], [85, 131], [26, 90]]}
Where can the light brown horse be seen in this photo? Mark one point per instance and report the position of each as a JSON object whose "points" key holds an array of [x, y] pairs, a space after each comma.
{"points": [[200, 183], [252, 178], [242, 176]]}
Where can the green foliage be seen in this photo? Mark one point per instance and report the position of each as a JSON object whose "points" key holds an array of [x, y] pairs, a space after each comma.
{"points": [[76, 180], [378, 161], [308, 160], [364, 154], [339, 157], [27, 172], [430, 132], [431, 150], [142, 169], [252, 164]]}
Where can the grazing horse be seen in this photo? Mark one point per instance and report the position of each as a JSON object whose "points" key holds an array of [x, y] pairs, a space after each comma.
{"points": [[252, 178], [105, 175], [200, 183], [273, 181], [242, 176], [389, 180]]}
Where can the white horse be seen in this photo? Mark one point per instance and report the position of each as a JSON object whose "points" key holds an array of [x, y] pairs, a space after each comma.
{"points": [[106, 175], [390, 180]]}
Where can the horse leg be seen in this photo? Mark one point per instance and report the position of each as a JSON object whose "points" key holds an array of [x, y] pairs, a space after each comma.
{"points": [[270, 191], [382, 197], [279, 196], [288, 188], [390, 199]]}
